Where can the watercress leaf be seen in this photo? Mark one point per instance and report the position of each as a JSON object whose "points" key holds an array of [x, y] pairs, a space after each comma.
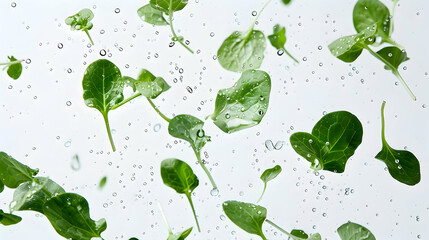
{"points": [[13, 173], [147, 84], [286, 1], [278, 38], [394, 56], [244, 104], [14, 70], [190, 129], [178, 175], [310, 148], [69, 215], [349, 48], [369, 12], [1, 186], [151, 15], [402, 165], [180, 235], [299, 233], [103, 182], [167, 5], [247, 216], [354, 231], [271, 173], [242, 51], [102, 89], [33, 195], [81, 20], [7, 219]]}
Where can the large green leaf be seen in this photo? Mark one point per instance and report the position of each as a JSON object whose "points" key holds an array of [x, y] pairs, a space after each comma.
{"points": [[190, 129], [242, 51], [244, 104], [366, 13], [247, 216], [33, 195], [354, 231], [7, 219], [69, 215], [151, 15], [13, 173], [333, 140], [168, 5]]}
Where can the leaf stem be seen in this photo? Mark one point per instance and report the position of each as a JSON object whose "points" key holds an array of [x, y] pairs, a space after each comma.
{"points": [[13, 62], [257, 16], [164, 218], [383, 137], [198, 155], [170, 18], [157, 110], [265, 187], [290, 55], [389, 40], [188, 195], [394, 70], [279, 228], [90, 39], [126, 100], [106, 121]]}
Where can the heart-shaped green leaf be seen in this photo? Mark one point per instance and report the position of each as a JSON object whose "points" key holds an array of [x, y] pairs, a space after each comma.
{"points": [[151, 15], [190, 129], [354, 231], [13, 173], [7, 219], [366, 13]]}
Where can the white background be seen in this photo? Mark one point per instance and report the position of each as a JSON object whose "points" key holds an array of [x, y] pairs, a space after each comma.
{"points": [[34, 113]]}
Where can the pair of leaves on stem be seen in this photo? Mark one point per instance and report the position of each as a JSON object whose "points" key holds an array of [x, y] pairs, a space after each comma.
{"points": [[333, 140], [14, 67], [81, 21], [67, 212], [374, 24], [251, 217], [153, 13]]}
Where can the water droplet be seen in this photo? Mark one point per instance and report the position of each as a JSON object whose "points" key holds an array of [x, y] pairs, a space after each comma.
{"points": [[254, 13], [214, 192], [67, 144], [68, 103], [60, 45], [189, 89], [103, 52], [13, 4], [280, 52], [156, 127], [75, 163], [310, 140], [200, 133], [117, 10], [279, 145], [269, 145], [227, 116]]}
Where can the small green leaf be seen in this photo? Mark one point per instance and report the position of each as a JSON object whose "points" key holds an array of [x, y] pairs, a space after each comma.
{"points": [[81, 21], [402, 165], [278, 38], [247, 216], [242, 51], [151, 15], [286, 1], [7, 219], [244, 104], [33, 195], [271, 173], [69, 215], [102, 89], [354, 231], [333, 140], [103, 182], [367, 13], [190, 129], [147, 84], [349, 48], [394, 56], [14, 70], [13, 173], [167, 5], [299, 233], [180, 235]]}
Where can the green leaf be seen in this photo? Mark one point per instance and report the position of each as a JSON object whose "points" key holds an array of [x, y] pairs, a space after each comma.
{"points": [[278, 38], [178, 175], [242, 51], [247, 216], [151, 15], [333, 140], [69, 215], [1, 186], [299, 233], [102, 89], [402, 165], [167, 5], [367, 13], [349, 48], [244, 104], [13, 173], [14, 70], [81, 20], [147, 84], [33, 195], [286, 1], [394, 56], [271, 173], [354, 231], [103, 182], [190, 129], [180, 235], [7, 219]]}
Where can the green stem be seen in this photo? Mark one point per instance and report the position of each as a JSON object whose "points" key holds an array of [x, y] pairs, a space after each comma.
{"points": [[265, 187], [394, 70], [90, 39], [13, 62], [279, 228], [126, 100], [389, 40], [165, 219], [157, 110], [188, 195], [257, 16], [170, 18], [290, 55], [198, 155], [106, 121], [383, 138]]}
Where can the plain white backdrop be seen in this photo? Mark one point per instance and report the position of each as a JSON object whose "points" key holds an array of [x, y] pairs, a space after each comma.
{"points": [[38, 128]]}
